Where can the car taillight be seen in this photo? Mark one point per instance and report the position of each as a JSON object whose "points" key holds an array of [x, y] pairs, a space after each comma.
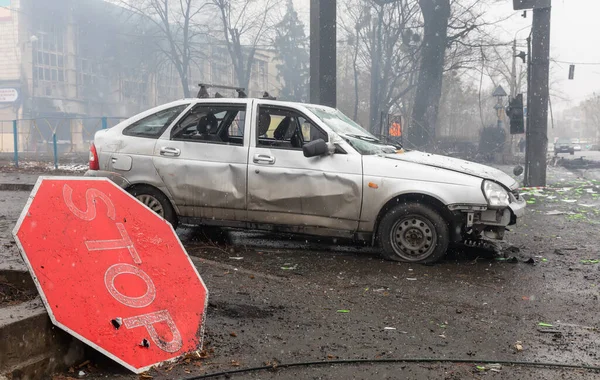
{"points": [[94, 164]]}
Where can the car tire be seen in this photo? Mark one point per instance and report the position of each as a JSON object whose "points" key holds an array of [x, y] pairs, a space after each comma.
{"points": [[156, 201], [414, 233], [572, 152]]}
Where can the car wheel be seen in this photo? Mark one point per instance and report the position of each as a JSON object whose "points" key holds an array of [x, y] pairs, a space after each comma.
{"points": [[415, 233], [572, 152], [156, 201]]}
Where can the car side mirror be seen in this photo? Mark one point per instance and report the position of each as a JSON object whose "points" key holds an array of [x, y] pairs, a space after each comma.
{"points": [[315, 148]]}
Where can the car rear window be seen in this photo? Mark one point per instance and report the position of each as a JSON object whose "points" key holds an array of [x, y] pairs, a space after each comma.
{"points": [[154, 125]]}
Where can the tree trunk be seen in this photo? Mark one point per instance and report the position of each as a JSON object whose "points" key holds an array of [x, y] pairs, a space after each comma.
{"points": [[355, 68], [375, 96], [436, 14]]}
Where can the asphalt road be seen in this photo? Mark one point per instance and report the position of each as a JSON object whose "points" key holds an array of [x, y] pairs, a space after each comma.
{"points": [[276, 299]]}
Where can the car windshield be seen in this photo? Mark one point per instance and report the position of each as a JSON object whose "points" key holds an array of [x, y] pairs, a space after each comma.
{"points": [[361, 140]]}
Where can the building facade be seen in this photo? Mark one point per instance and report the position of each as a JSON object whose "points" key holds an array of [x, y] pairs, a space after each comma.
{"points": [[80, 59]]}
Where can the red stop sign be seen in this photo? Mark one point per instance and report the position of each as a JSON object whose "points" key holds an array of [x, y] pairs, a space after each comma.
{"points": [[111, 272]]}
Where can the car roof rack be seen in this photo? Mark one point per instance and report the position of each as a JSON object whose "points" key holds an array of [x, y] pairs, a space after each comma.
{"points": [[203, 92], [267, 96]]}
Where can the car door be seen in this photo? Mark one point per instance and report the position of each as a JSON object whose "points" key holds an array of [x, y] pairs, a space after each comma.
{"points": [[203, 158], [132, 152], [286, 188]]}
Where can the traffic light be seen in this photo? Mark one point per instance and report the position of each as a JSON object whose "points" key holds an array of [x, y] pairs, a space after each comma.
{"points": [[515, 113]]}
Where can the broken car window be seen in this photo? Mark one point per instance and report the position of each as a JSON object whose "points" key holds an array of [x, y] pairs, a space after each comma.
{"points": [[154, 125], [212, 123]]}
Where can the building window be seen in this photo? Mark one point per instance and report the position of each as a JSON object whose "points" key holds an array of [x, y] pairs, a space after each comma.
{"points": [[134, 85], [49, 54], [259, 78], [87, 72], [168, 84], [220, 70]]}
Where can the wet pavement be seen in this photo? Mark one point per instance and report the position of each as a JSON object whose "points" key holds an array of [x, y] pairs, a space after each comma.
{"points": [[280, 299]]}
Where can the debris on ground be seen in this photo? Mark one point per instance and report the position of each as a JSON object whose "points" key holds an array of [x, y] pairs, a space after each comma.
{"points": [[288, 266], [11, 294], [544, 324], [519, 346], [511, 260], [489, 367], [343, 311]]}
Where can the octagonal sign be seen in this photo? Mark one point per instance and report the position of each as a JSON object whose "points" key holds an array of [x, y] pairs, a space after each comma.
{"points": [[111, 272]]}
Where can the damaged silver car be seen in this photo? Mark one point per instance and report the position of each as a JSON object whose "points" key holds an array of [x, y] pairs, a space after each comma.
{"points": [[300, 168]]}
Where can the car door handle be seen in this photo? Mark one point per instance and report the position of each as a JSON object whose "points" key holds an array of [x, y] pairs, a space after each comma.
{"points": [[264, 159], [170, 152]]}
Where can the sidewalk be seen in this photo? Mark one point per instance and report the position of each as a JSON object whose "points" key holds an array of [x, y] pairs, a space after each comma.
{"points": [[12, 179]]}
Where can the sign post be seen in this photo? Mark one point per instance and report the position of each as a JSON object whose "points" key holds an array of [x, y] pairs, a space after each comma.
{"points": [[111, 272]]}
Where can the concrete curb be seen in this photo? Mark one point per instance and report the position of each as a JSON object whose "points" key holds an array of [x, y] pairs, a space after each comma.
{"points": [[16, 187], [31, 347]]}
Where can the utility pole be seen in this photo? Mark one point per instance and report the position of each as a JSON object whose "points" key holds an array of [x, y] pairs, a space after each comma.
{"points": [[538, 91], [513, 74], [323, 52]]}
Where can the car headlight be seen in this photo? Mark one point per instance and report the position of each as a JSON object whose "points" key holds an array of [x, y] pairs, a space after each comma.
{"points": [[495, 194]]}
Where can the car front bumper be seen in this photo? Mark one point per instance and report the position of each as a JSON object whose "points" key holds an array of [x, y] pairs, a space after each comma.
{"points": [[115, 177], [517, 207], [493, 222]]}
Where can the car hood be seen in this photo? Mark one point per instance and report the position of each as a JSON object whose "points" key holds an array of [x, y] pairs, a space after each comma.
{"points": [[457, 165]]}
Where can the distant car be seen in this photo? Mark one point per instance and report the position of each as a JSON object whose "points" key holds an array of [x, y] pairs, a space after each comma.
{"points": [[301, 168], [564, 146], [577, 148]]}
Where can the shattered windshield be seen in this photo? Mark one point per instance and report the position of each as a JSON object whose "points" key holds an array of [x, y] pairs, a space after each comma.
{"points": [[361, 140]]}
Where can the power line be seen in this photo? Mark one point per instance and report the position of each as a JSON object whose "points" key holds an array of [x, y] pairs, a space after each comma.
{"points": [[577, 63]]}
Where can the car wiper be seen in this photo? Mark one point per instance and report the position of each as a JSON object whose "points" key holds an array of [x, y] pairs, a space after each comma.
{"points": [[366, 138]]}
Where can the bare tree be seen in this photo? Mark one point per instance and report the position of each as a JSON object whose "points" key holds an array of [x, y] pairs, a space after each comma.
{"points": [[436, 15], [454, 34], [245, 25], [386, 45], [176, 30]]}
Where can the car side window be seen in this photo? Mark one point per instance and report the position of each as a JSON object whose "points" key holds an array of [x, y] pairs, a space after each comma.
{"points": [[154, 125], [310, 132], [285, 129], [217, 124]]}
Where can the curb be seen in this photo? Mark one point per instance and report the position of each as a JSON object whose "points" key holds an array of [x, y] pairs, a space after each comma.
{"points": [[16, 187]]}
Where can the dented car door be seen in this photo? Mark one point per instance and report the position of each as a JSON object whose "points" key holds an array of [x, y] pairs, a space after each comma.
{"points": [[202, 160], [286, 188]]}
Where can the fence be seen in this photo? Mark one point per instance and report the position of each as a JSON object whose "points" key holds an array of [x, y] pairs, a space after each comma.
{"points": [[55, 140]]}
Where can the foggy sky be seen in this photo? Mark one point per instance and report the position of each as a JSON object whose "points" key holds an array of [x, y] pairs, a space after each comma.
{"points": [[575, 38]]}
